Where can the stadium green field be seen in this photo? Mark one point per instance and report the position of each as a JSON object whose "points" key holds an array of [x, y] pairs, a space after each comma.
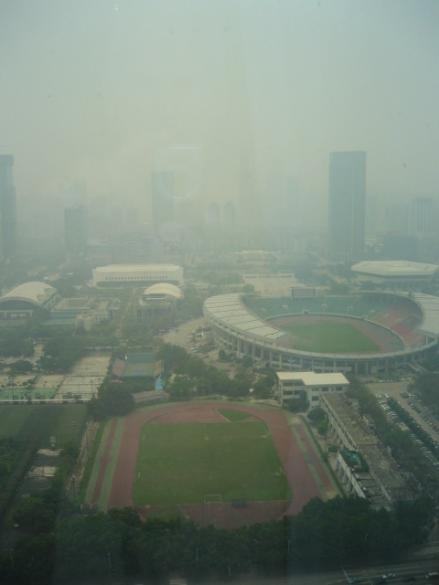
{"points": [[234, 415], [329, 338], [64, 422], [189, 463]]}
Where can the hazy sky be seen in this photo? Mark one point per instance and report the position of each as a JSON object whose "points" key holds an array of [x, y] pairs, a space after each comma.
{"points": [[239, 91]]}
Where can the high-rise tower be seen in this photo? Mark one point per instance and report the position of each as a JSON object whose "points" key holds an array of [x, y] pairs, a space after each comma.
{"points": [[75, 231], [347, 205], [8, 208]]}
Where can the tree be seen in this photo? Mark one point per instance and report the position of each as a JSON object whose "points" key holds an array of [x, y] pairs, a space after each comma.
{"points": [[181, 388], [263, 387], [61, 352], [112, 401], [21, 367]]}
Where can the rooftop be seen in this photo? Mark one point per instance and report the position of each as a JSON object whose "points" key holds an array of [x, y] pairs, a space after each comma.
{"points": [[136, 268], [37, 293], [430, 312], [395, 268], [232, 312], [350, 420], [314, 378], [164, 288]]}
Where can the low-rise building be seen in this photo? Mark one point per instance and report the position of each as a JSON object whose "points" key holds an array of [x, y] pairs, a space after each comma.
{"points": [[292, 385], [137, 274], [363, 465], [25, 299]]}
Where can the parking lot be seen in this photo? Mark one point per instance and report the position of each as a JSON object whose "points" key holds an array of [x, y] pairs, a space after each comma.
{"points": [[400, 391]]}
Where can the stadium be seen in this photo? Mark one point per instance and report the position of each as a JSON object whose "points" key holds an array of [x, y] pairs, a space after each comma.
{"points": [[364, 333]]}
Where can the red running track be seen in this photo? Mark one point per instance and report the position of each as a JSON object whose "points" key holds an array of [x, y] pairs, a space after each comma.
{"points": [[299, 476]]}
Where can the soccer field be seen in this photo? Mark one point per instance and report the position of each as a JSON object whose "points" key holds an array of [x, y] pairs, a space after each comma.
{"points": [[327, 337], [185, 463]]}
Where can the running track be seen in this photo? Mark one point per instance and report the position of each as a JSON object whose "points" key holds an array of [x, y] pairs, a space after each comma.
{"points": [[300, 479]]}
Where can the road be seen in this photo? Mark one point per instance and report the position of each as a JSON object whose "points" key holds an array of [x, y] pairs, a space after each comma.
{"points": [[362, 576]]}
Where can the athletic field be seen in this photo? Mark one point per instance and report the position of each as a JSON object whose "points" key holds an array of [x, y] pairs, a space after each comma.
{"points": [[330, 338], [332, 334], [222, 463], [184, 463]]}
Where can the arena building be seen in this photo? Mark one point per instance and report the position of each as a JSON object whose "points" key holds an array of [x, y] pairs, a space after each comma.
{"points": [[395, 274], [25, 299], [363, 333], [162, 291], [137, 274]]}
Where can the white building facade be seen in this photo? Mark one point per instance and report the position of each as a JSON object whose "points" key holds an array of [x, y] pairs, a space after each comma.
{"points": [[137, 274], [292, 385]]}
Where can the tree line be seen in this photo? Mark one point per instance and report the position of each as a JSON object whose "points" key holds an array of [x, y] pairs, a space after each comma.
{"points": [[97, 547]]}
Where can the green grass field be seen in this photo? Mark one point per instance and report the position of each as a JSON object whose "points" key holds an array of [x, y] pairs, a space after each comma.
{"points": [[329, 338], [234, 415], [65, 422], [184, 463]]}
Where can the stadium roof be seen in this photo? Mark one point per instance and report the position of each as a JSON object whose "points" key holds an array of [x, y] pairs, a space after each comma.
{"points": [[35, 293], [314, 378], [232, 312], [165, 289], [110, 268], [430, 312], [395, 269]]}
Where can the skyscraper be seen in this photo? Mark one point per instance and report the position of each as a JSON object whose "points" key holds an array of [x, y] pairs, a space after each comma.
{"points": [[8, 208], [75, 231], [422, 220], [347, 205], [162, 198]]}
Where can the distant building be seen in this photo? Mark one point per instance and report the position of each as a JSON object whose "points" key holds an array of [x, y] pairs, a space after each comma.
{"points": [[396, 274], [422, 217], [213, 214], [75, 231], [347, 205], [162, 198], [8, 208], [82, 313], [229, 215], [25, 299], [137, 274], [292, 385], [400, 246]]}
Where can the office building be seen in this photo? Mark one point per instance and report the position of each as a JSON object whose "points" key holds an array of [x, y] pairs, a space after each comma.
{"points": [[291, 385], [8, 208], [162, 198], [75, 231], [347, 205], [422, 217], [137, 274]]}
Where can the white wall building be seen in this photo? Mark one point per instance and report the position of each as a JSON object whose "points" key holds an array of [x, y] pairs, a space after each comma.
{"points": [[137, 274], [291, 385]]}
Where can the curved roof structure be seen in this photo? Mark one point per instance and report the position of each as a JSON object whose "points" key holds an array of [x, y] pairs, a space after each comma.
{"points": [[231, 311], [429, 306], [228, 313], [165, 289], [34, 293], [395, 269]]}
